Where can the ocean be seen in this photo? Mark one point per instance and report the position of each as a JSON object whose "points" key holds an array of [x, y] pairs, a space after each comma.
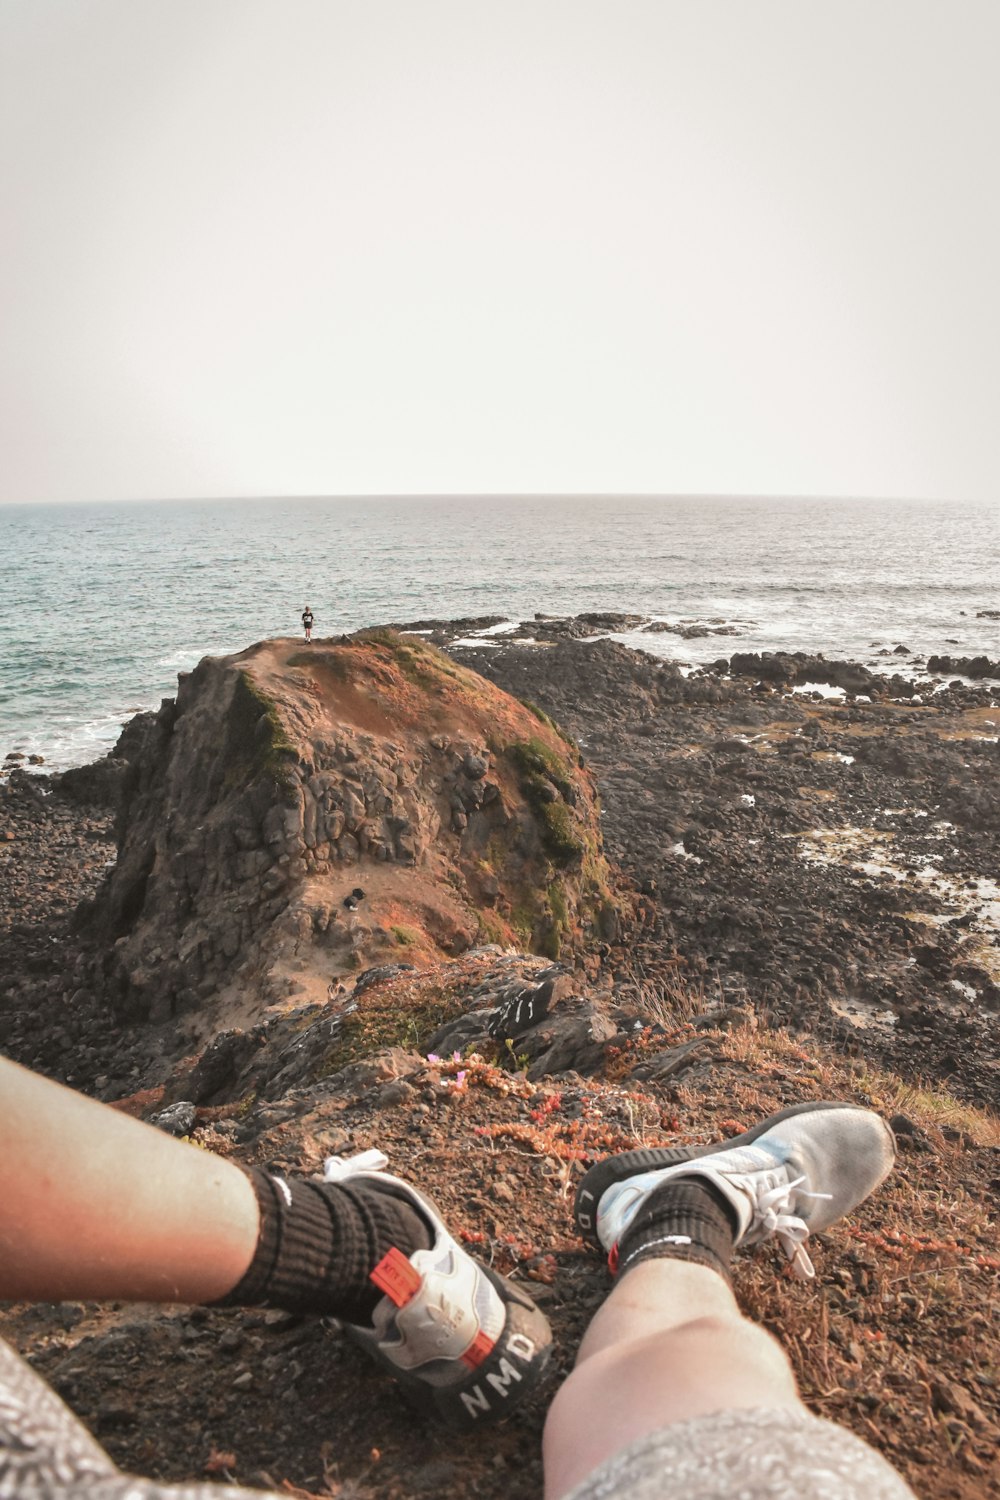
{"points": [[102, 605]]}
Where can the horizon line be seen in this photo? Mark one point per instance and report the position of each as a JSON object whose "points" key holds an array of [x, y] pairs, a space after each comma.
{"points": [[420, 495]]}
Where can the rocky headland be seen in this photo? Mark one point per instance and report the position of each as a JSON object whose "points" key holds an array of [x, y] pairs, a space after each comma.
{"points": [[498, 909]]}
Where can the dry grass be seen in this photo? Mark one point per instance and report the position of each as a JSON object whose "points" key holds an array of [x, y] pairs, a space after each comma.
{"points": [[668, 1002], [897, 1336], [930, 1106]]}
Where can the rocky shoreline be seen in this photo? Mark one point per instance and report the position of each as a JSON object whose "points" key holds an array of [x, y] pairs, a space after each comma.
{"points": [[833, 857], [913, 674], [799, 901]]}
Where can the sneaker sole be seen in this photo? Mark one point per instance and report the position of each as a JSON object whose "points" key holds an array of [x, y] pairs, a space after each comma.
{"points": [[614, 1169]]}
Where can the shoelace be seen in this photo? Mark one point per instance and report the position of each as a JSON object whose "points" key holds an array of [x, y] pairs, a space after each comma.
{"points": [[772, 1215], [337, 1168]]}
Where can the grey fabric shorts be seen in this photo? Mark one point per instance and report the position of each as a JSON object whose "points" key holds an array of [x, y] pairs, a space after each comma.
{"points": [[47, 1454], [760, 1454]]}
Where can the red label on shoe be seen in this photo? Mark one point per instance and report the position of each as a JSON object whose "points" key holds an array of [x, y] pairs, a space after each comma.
{"points": [[396, 1277], [477, 1351], [613, 1259]]}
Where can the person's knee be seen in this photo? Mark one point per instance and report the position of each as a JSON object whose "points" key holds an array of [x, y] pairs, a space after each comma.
{"points": [[738, 1341], [726, 1359], [650, 1380]]}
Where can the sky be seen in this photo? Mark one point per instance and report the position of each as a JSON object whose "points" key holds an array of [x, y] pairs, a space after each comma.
{"points": [[349, 247]]}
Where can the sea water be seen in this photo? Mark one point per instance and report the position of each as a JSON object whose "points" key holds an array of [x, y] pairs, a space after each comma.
{"points": [[102, 605]]}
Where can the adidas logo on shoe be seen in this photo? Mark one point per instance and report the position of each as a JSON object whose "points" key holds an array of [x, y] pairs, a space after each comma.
{"points": [[463, 1342]]}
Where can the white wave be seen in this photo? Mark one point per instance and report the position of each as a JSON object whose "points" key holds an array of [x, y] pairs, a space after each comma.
{"points": [[824, 689], [181, 660], [68, 744], [504, 628]]}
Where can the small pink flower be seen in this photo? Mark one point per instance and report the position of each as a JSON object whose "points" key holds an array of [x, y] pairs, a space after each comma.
{"points": [[433, 1057]]}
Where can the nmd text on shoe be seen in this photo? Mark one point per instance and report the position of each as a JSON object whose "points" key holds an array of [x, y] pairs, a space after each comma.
{"points": [[463, 1342]]}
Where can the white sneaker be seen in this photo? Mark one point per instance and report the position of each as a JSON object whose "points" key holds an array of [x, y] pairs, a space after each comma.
{"points": [[794, 1173], [463, 1342]]}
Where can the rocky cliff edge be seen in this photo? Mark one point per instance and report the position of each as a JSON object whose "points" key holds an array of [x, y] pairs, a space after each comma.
{"points": [[299, 813]]}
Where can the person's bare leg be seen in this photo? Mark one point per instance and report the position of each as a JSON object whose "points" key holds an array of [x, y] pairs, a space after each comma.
{"points": [[140, 1216], [94, 1204], [668, 1344]]}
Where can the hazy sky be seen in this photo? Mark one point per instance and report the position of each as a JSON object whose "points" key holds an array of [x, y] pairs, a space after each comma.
{"points": [[373, 246]]}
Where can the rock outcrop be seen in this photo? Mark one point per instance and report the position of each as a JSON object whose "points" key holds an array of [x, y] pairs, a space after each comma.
{"points": [[964, 666], [300, 813]]}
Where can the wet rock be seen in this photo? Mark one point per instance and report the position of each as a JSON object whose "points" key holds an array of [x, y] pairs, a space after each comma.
{"points": [[965, 666]]}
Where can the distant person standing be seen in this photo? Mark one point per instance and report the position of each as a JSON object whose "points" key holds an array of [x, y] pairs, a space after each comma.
{"points": [[307, 622]]}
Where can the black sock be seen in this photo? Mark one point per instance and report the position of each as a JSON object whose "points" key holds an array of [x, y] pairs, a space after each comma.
{"points": [[685, 1219], [320, 1241]]}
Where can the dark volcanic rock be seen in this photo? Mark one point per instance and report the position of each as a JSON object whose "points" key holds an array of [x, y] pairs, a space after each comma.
{"points": [[964, 666], [722, 809], [795, 849], [251, 808], [794, 669]]}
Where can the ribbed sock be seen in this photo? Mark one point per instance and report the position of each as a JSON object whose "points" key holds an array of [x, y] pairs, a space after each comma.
{"points": [[685, 1219], [319, 1243]]}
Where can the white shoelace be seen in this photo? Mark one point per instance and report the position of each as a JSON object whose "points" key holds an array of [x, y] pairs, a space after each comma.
{"points": [[337, 1168], [772, 1215]]}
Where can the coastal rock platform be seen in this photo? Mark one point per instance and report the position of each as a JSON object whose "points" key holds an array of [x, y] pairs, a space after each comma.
{"points": [[837, 858], [765, 894]]}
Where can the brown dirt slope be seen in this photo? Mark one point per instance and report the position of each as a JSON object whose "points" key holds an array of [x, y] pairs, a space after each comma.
{"points": [[896, 1337]]}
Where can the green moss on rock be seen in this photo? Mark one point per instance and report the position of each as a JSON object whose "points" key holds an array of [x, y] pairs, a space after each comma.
{"points": [[544, 778], [385, 1019], [256, 743], [533, 758]]}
